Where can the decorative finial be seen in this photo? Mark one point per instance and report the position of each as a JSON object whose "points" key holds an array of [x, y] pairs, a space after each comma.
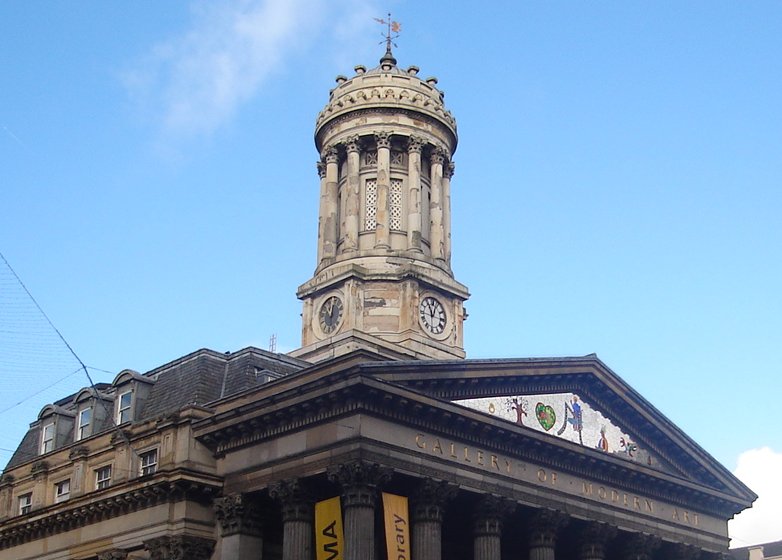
{"points": [[393, 31]]}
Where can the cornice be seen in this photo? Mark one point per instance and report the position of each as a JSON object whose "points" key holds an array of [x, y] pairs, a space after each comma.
{"points": [[93, 508], [333, 398]]}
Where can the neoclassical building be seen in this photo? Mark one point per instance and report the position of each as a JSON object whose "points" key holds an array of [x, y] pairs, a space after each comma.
{"points": [[230, 455]]}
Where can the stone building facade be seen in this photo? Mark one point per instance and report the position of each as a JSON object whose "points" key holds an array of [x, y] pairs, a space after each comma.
{"points": [[225, 455]]}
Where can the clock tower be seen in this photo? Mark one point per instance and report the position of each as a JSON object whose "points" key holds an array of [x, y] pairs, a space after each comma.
{"points": [[383, 278]]}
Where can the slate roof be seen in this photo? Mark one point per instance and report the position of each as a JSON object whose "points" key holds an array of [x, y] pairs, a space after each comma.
{"points": [[770, 550], [198, 378]]}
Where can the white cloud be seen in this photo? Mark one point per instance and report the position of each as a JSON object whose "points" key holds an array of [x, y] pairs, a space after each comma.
{"points": [[196, 81], [760, 470]]}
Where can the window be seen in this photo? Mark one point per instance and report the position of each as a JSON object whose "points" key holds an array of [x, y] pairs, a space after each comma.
{"points": [[25, 503], [85, 417], [395, 195], [62, 491], [148, 462], [103, 477], [124, 412], [47, 438], [370, 205]]}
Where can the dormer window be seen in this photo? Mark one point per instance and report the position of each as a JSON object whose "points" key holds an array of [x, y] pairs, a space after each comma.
{"points": [[85, 421], [47, 438], [124, 407]]}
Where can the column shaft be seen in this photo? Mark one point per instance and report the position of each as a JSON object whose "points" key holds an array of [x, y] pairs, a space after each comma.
{"points": [[331, 205], [321, 210], [297, 540], [414, 194], [351, 218], [359, 532], [447, 174], [382, 234], [436, 235]]}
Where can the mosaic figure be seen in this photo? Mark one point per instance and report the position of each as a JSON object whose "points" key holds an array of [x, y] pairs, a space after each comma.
{"points": [[520, 406], [602, 445]]}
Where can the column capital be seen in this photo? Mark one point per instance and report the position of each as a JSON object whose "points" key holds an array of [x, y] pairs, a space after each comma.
{"points": [[437, 155], [593, 538], [330, 154], [352, 144], [544, 524], [359, 481], [415, 144], [114, 554], [449, 170], [237, 513], [383, 139], [490, 511], [321, 166], [430, 498], [640, 546], [295, 498], [180, 547]]}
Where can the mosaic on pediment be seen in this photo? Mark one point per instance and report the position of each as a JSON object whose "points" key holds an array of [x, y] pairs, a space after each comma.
{"points": [[566, 416]]}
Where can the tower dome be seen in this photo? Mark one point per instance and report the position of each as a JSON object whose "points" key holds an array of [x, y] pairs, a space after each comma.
{"points": [[386, 86], [383, 269]]}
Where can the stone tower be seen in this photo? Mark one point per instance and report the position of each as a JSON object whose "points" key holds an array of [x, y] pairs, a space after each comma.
{"points": [[383, 279]]}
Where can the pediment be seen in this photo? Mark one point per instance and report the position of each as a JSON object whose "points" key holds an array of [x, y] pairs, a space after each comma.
{"points": [[571, 417], [571, 401]]}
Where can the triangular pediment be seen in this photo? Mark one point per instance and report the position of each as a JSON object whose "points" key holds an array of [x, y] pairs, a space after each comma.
{"points": [[571, 417], [571, 401]]}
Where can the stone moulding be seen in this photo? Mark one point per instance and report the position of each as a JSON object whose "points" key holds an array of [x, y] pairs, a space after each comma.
{"points": [[362, 394], [80, 515]]}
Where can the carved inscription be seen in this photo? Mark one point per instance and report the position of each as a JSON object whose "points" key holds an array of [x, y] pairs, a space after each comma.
{"points": [[499, 464]]}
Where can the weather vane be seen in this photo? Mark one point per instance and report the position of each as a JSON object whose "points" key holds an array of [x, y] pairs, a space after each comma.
{"points": [[394, 28]]}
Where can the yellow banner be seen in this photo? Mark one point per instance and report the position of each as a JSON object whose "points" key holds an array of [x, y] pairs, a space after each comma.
{"points": [[328, 530], [397, 522]]}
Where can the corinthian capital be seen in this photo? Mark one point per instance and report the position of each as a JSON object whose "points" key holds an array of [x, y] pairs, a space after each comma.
{"points": [[116, 554], [593, 538], [352, 144], [383, 139], [437, 155], [640, 546], [237, 513], [490, 511], [321, 165], [449, 169], [180, 547], [295, 499], [544, 526], [430, 499], [330, 154], [359, 481], [415, 144]]}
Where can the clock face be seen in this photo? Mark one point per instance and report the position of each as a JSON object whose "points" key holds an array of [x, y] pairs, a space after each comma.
{"points": [[330, 314], [432, 315]]}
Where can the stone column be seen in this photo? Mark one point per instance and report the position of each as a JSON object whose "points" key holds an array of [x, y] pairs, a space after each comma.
{"points": [[487, 527], [447, 174], [351, 218], [241, 527], [436, 235], [543, 528], [114, 554], [382, 233], [297, 519], [321, 210], [359, 482], [414, 234], [179, 547], [593, 539], [331, 203], [428, 505], [639, 546]]}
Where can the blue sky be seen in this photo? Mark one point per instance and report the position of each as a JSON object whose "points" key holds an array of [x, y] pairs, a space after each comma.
{"points": [[617, 188]]}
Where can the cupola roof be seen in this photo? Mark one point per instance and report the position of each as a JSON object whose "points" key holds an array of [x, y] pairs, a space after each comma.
{"points": [[385, 86]]}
